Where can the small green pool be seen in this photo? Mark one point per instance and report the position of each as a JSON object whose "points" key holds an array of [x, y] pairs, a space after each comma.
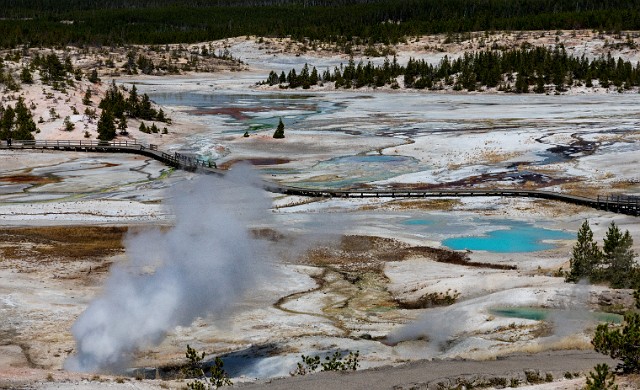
{"points": [[540, 314]]}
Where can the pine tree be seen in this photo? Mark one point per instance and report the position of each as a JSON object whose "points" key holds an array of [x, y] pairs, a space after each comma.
{"points": [[68, 125], [106, 126], [6, 122], [133, 103], [113, 101], [304, 77], [279, 133], [313, 79], [93, 76], [618, 258], [292, 79], [539, 85], [86, 100], [122, 124], [25, 76], [24, 124], [273, 78], [585, 256], [161, 116], [621, 343], [145, 111], [522, 85]]}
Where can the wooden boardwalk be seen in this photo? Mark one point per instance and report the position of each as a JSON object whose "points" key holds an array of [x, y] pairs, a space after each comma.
{"points": [[617, 204], [176, 160], [629, 205]]}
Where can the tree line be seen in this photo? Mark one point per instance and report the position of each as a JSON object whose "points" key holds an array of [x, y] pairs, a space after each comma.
{"points": [[116, 22], [16, 122], [116, 108], [518, 70]]}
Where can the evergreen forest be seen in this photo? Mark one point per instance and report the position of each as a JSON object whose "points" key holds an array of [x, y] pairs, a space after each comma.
{"points": [[48, 23], [519, 70]]}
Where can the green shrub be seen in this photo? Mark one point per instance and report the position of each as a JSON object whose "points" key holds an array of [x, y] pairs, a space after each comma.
{"points": [[335, 362], [533, 377], [194, 369], [601, 379]]}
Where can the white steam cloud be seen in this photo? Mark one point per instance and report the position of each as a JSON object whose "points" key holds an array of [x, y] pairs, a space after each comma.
{"points": [[442, 326], [439, 326], [202, 265]]}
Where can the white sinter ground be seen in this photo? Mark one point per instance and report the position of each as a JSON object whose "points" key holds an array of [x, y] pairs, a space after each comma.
{"points": [[578, 143]]}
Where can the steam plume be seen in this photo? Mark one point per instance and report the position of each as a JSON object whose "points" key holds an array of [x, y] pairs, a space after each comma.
{"points": [[201, 265], [445, 324], [438, 325]]}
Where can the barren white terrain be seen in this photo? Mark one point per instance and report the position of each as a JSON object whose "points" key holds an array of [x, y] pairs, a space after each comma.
{"points": [[367, 275]]}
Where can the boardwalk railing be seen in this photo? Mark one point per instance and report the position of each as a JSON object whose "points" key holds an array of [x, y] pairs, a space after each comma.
{"points": [[177, 160], [18, 144], [629, 205]]}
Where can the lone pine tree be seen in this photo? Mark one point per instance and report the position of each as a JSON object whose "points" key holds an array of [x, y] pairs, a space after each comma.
{"points": [[279, 133]]}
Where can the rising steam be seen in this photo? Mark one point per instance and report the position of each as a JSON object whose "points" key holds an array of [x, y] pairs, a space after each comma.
{"points": [[442, 326], [202, 265]]}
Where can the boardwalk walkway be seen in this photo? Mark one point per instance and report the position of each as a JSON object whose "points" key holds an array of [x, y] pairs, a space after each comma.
{"points": [[617, 204], [629, 205], [176, 160]]}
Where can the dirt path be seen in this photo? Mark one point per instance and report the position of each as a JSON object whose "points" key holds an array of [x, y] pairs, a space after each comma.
{"points": [[427, 374]]}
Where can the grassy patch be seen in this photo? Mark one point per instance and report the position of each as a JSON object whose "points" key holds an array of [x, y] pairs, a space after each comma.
{"points": [[370, 253], [416, 204], [61, 242]]}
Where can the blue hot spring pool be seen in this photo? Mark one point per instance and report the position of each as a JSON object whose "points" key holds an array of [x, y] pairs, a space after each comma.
{"points": [[514, 237]]}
